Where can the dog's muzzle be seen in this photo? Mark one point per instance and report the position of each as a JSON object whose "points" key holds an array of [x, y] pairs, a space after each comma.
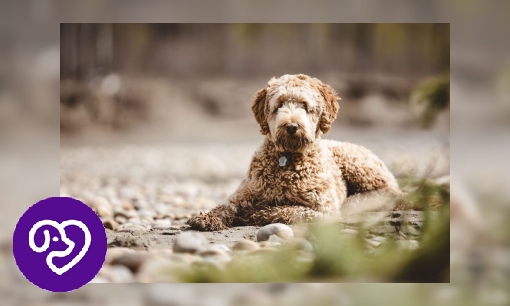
{"points": [[290, 137]]}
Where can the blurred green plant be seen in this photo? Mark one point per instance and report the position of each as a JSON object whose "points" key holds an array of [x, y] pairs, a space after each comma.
{"points": [[337, 257], [429, 98]]}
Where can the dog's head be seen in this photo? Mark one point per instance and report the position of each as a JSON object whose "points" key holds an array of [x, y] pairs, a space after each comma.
{"points": [[294, 109]]}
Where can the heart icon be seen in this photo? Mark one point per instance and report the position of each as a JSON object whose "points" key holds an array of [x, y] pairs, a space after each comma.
{"points": [[61, 229]]}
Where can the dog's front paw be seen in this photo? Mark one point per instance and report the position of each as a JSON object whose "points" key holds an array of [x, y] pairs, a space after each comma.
{"points": [[206, 222]]}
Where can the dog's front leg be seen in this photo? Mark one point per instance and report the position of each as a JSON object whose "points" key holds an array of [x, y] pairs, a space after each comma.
{"points": [[222, 216], [219, 218]]}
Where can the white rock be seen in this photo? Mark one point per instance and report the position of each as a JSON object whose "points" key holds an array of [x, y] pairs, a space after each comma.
{"points": [[121, 274], [188, 242], [281, 230], [113, 253], [162, 224]]}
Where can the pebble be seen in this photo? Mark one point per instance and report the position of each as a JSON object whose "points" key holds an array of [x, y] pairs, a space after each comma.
{"points": [[145, 221], [120, 219], [146, 213], [121, 274], [162, 224], [161, 209], [128, 214], [349, 232], [104, 210], [281, 230], [110, 224], [188, 242], [134, 220], [126, 205], [213, 252], [182, 216], [132, 260], [246, 245], [131, 227], [168, 215], [129, 193], [97, 201], [113, 253]]}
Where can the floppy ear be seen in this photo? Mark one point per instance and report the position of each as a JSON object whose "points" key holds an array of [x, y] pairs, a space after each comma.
{"points": [[259, 108], [330, 106]]}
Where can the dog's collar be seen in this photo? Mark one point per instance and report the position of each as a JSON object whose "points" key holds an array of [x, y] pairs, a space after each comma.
{"points": [[287, 158]]}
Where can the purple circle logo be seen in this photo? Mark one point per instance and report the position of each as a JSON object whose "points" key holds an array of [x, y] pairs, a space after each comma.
{"points": [[59, 244]]}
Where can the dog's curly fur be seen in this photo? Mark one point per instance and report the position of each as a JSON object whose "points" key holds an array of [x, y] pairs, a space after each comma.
{"points": [[320, 176]]}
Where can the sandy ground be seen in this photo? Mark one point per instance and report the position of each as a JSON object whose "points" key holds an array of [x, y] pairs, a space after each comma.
{"points": [[164, 239], [395, 224]]}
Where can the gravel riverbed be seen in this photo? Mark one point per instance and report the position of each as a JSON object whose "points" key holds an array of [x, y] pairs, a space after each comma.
{"points": [[145, 194]]}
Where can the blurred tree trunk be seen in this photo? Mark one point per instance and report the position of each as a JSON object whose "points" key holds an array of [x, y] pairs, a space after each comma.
{"points": [[200, 50]]}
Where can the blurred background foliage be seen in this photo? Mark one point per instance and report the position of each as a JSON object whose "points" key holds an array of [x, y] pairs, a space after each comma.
{"points": [[201, 50], [431, 96], [118, 75]]}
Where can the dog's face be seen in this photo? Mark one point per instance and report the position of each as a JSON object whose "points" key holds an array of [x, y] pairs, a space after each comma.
{"points": [[294, 109]]}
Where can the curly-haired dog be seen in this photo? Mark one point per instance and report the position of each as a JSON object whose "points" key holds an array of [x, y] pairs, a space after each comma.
{"points": [[295, 176]]}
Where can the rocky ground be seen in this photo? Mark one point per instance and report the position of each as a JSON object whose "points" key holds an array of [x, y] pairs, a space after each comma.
{"points": [[145, 194]]}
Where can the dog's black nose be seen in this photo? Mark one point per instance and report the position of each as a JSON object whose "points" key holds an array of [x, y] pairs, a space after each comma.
{"points": [[291, 128]]}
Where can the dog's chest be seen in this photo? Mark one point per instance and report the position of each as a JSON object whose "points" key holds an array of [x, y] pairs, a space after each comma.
{"points": [[309, 181]]}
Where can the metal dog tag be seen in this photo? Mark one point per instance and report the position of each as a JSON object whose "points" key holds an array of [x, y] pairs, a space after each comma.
{"points": [[282, 161]]}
